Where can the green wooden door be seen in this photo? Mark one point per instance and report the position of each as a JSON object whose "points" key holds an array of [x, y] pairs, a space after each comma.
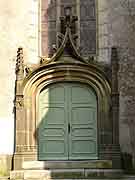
{"points": [[68, 122]]}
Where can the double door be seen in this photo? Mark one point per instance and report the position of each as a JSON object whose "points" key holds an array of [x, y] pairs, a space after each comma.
{"points": [[67, 128]]}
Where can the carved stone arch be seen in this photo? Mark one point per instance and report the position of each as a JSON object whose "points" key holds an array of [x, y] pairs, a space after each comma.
{"points": [[65, 72]]}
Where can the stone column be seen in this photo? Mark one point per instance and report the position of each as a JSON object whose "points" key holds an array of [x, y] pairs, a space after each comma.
{"points": [[115, 96], [115, 107], [20, 135], [19, 114]]}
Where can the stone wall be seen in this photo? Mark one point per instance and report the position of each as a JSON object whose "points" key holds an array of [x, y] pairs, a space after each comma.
{"points": [[116, 27], [18, 27], [122, 35]]}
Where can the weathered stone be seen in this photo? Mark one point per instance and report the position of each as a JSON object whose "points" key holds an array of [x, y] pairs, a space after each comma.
{"points": [[4, 178], [100, 164], [16, 175], [103, 173]]}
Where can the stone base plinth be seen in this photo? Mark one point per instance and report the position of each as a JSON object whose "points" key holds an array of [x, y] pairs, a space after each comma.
{"points": [[68, 174]]}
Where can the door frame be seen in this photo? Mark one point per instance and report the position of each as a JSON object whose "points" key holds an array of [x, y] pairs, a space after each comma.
{"points": [[90, 75], [27, 105]]}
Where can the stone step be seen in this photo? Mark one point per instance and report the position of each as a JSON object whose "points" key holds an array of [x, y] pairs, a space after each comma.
{"points": [[4, 178], [123, 178], [91, 164], [60, 174]]}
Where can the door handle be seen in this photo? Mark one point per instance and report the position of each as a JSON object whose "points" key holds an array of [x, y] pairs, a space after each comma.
{"points": [[68, 128]]}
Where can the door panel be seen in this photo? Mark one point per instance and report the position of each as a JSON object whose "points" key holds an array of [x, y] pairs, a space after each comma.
{"points": [[53, 140], [83, 136], [68, 122], [81, 94], [87, 114], [54, 94], [83, 148]]}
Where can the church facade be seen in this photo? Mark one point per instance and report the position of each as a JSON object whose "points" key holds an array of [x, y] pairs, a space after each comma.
{"points": [[70, 88]]}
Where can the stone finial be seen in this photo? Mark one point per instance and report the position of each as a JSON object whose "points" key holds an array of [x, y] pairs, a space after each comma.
{"points": [[67, 40], [20, 62], [68, 20]]}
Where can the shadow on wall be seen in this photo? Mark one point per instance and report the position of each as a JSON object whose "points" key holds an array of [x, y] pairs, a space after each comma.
{"points": [[48, 27], [50, 129], [127, 163]]}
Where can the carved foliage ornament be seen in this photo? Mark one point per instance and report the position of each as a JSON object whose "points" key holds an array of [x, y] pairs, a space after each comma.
{"points": [[19, 101], [19, 61]]}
